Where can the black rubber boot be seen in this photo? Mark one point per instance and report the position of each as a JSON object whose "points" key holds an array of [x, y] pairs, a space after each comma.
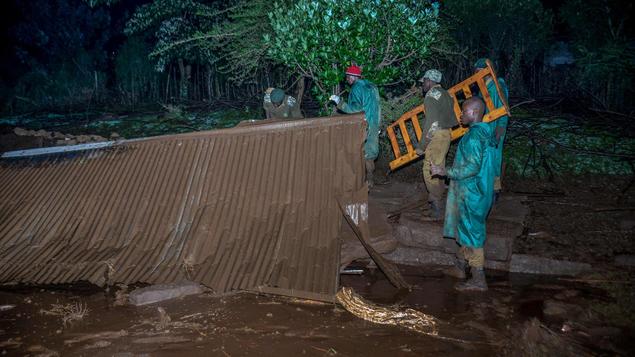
{"points": [[476, 283], [457, 270]]}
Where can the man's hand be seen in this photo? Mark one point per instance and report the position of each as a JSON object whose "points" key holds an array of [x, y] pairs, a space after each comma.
{"points": [[335, 98], [269, 90], [437, 170]]}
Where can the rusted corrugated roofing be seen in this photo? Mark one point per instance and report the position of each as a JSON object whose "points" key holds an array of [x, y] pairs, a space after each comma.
{"points": [[250, 208]]}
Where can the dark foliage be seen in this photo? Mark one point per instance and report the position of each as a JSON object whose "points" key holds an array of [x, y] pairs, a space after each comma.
{"points": [[75, 54]]}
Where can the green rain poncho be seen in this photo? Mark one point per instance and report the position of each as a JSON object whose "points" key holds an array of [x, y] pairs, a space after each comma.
{"points": [[471, 187], [498, 123], [364, 97]]}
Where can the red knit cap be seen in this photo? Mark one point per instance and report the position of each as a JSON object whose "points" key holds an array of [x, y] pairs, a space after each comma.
{"points": [[354, 71]]}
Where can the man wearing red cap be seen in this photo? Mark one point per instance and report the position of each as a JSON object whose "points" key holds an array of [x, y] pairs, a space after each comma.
{"points": [[363, 97]]}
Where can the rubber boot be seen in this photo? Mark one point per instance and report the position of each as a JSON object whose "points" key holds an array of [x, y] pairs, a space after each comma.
{"points": [[457, 270], [370, 169], [476, 283]]}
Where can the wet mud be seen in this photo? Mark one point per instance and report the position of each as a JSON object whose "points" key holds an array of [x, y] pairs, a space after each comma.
{"points": [[246, 324]]}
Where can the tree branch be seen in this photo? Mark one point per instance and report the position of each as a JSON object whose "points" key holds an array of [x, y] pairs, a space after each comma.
{"points": [[188, 40]]}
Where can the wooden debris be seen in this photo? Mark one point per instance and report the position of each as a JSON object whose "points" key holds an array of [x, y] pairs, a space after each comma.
{"points": [[408, 318]]}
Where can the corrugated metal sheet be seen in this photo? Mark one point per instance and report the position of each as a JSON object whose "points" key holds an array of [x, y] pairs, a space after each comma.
{"points": [[248, 208]]}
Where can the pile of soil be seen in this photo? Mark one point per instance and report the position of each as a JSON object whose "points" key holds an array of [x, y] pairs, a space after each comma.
{"points": [[19, 139]]}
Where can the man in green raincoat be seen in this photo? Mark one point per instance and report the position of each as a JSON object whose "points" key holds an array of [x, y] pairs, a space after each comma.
{"points": [[470, 195], [363, 97], [499, 126]]}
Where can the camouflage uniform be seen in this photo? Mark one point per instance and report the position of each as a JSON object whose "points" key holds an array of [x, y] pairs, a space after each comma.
{"points": [[287, 110], [435, 141]]}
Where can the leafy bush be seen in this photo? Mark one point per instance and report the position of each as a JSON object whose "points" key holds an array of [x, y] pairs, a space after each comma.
{"points": [[320, 38], [604, 51], [512, 33], [134, 72], [538, 146]]}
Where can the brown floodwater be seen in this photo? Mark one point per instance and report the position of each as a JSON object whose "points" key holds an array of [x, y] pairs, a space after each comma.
{"points": [[247, 324]]}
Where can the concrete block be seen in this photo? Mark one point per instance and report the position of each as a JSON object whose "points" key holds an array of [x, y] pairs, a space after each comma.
{"points": [[425, 235], [381, 236], [497, 265], [419, 256], [352, 250], [529, 264], [429, 236], [498, 247], [162, 292]]}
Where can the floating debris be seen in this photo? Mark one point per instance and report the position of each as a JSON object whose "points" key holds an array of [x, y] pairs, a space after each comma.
{"points": [[409, 318], [68, 312]]}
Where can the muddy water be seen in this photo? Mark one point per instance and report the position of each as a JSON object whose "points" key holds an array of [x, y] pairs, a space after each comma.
{"points": [[248, 324]]}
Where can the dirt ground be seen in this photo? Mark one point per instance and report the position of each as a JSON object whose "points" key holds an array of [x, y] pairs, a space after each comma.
{"points": [[587, 219]]}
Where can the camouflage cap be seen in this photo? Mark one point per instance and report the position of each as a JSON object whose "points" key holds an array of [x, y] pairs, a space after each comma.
{"points": [[433, 75], [277, 95]]}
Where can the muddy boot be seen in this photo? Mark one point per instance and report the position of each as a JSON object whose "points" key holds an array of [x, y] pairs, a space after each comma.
{"points": [[435, 213], [476, 283], [457, 270]]}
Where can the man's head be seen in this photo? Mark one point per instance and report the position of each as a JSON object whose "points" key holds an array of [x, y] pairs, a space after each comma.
{"points": [[480, 64], [472, 112], [431, 78], [353, 73], [277, 96]]}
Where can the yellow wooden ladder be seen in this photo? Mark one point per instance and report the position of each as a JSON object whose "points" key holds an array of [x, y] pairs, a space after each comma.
{"points": [[411, 118]]}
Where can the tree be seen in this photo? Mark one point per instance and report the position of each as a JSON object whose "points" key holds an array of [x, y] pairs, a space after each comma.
{"points": [[319, 38], [512, 33], [183, 30], [135, 75], [62, 43], [241, 44], [605, 57]]}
